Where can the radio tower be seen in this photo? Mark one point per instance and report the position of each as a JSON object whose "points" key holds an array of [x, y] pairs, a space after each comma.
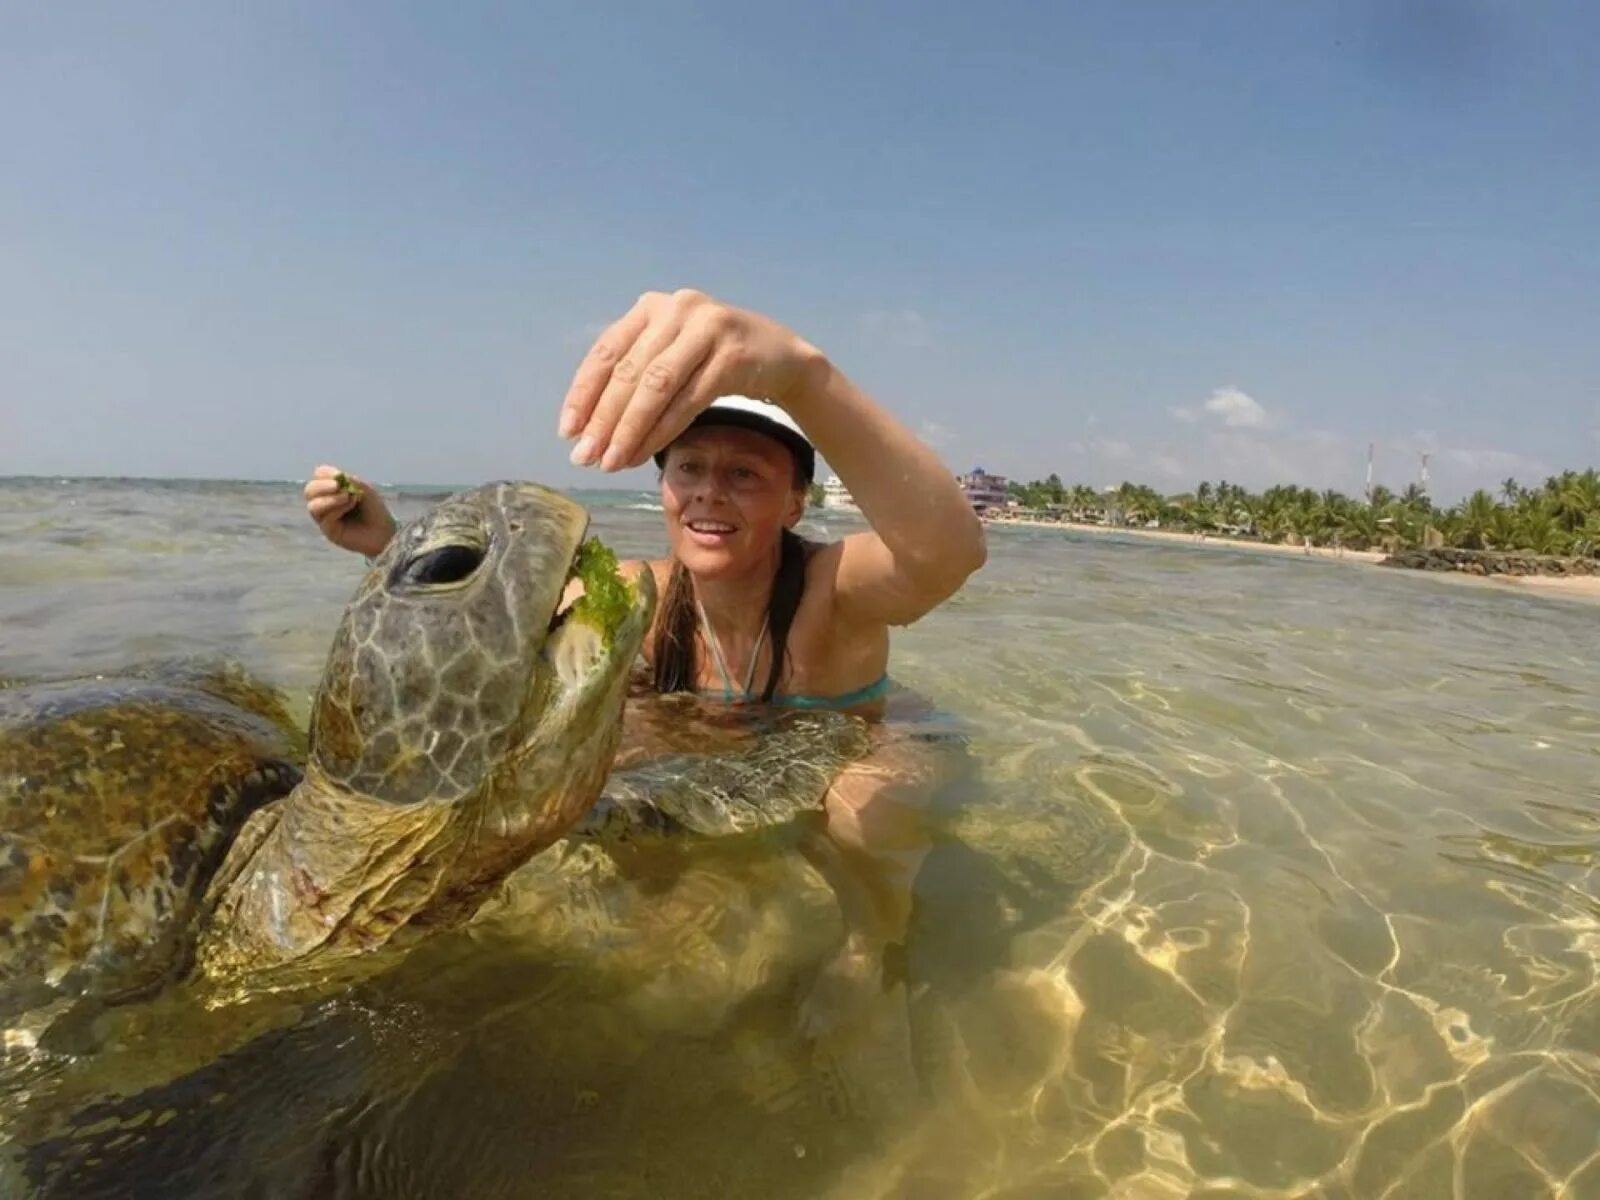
{"points": [[1425, 456]]}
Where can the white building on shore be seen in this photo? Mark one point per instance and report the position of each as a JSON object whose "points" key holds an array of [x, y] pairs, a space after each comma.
{"points": [[836, 495]]}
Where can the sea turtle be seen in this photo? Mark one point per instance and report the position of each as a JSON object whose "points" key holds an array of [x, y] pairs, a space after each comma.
{"points": [[463, 723], [172, 827]]}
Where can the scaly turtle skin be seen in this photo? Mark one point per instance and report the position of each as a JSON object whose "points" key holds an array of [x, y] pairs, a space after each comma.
{"points": [[786, 769], [460, 727]]}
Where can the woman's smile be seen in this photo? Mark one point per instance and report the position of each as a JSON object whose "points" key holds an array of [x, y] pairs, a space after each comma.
{"points": [[710, 533]]}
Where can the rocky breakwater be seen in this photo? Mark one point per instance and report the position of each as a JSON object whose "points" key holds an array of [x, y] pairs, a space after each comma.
{"points": [[1492, 562]]}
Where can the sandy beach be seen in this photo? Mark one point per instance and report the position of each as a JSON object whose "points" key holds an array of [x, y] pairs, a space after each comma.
{"points": [[1571, 586], [1578, 587], [1211, 540]]}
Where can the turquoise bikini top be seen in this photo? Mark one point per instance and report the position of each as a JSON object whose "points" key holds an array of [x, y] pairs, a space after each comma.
{"points": [[862, 695], [876, 690]]}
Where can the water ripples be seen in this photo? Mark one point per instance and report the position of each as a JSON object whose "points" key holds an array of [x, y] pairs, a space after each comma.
{"points": [[1270, 878]]}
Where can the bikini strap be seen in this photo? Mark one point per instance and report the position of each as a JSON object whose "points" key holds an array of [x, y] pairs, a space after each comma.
{"points": [[716, 653]]}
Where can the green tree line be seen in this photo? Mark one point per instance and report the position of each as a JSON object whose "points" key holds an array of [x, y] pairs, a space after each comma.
{"points": [[1560, 517]]}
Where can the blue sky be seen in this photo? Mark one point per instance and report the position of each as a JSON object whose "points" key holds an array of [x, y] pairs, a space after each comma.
{"points": [[1158, 241]]}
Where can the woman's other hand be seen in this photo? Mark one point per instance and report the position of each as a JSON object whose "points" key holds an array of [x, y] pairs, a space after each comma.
{"points": [[349, 511]]}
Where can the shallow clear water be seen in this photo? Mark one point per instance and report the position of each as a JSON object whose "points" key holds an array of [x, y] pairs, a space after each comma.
{"points": [[1268, 877]]}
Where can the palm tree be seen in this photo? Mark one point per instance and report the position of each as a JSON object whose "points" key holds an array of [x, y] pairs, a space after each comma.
{"points": [[1085, 502], [1586, 542], [1141, 504], [1576, 496], [1503, 527], [1303, 519], [1403, 523], [1477, 520], [1358, 527], [1449, 525], [1272, 523], [1197, 513], [1539, 531], [1561, 516]]}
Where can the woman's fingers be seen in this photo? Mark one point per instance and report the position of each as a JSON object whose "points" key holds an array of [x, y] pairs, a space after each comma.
{"points": [[325, 500], [594, 372], [330, 507], [321, 481], [667, 385], [647, 376], [636, 376], [694, 395]]}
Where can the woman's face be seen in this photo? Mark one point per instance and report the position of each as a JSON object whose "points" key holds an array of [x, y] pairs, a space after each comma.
{"points": [[728, 493]]}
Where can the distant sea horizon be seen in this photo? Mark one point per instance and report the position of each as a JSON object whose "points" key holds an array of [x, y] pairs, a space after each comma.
{"points": [[402, 485]]}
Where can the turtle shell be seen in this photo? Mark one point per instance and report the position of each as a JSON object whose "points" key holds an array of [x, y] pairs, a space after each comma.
{"points": [[119, 797]]}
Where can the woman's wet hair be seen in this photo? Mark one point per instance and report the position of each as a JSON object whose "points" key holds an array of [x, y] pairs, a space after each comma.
{"points": [[676, 663]]}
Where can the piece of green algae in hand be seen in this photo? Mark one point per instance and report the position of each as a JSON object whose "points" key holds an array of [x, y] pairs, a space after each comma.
{"points": [[607, 597], [347, 485]]}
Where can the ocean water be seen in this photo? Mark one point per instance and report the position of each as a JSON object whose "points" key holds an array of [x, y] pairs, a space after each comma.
{"points": [[1261, 877]]}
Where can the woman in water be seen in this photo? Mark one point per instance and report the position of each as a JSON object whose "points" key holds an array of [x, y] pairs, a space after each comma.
{"points": [[749, 611]]}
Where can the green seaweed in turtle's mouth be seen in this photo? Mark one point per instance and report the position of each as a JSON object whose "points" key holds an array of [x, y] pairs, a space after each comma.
{"points": [[607, 597]]}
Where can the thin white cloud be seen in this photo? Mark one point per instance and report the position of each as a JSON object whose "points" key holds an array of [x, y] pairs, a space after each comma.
{"points": [[904, 328], [1112, 450], [1479, 462], [1234, 408], [1237, 409], [1260, 460], [585, 335], [1259, 457], [936, 435], [1170, 470]]}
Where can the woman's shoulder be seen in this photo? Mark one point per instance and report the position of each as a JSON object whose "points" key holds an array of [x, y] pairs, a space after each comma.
{"points": [[821, 557], [823, 560], [819, 611]]}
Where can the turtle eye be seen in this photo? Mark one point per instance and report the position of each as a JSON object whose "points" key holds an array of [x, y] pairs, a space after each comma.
{"points": [[442, 565]]}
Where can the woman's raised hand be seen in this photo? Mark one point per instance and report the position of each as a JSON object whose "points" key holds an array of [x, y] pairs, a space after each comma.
{"points": [[658, 367]]}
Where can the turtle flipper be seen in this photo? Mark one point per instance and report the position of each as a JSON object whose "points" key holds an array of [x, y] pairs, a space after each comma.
{"points": [[785, 770]]}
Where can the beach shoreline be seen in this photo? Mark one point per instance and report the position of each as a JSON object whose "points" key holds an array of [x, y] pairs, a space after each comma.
{"points": [[1577, 587], [1209, 541], [1585, 588]]}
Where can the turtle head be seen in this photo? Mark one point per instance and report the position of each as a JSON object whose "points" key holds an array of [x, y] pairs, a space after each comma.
{"points": [[463, 723], [455, 679]]}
